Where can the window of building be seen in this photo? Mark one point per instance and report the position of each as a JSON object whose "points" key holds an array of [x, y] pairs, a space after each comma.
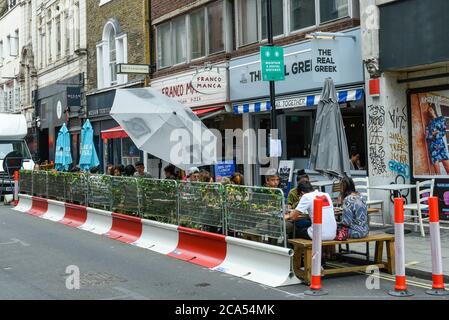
{"points": [[41, 47], [197, 34], [112, 56], [215, 18], [67, 34], [111, 50], [205, 29], [58, 37], [1, 53], [287, 15], [180, 40], [333, 9], [49, 37], [164, 45], [302, 14]]}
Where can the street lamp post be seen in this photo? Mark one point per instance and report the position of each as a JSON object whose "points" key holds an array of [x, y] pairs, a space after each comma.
{"points": [[273, 118]]}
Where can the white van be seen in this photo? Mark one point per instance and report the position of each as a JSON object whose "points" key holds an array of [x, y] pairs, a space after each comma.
{"points": [[13, 130]]}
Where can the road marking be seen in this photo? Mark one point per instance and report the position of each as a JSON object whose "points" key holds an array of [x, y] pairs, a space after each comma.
{"points": [[14, 241]]}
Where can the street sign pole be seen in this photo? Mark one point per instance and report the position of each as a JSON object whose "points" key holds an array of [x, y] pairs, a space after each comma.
{"points": [[273, 116]]}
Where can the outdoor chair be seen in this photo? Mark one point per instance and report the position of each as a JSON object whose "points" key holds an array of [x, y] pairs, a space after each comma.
{"points": [[424, 190], [362, 186]]}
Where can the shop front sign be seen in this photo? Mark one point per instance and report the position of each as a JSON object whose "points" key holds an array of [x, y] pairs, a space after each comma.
{"points": [[345, 58], [195, 89]]}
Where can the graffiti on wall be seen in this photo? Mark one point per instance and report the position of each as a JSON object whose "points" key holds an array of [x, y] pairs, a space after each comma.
{"points": [[376, 138], [398, 118]]}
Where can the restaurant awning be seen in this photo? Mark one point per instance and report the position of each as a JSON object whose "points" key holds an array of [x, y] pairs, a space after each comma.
{"points": [[203, 111], [114, 133]]}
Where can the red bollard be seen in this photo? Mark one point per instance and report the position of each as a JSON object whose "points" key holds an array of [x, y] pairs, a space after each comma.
{"points": [[16, 187], [315, 287], [400, 289], [435, 243]]}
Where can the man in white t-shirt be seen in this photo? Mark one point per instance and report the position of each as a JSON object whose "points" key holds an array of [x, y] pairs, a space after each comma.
{"points": [[305, 206]]}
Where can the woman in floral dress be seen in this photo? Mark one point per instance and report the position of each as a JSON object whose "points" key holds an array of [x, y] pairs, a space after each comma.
{"points": [[354, 224], [435, 133]]}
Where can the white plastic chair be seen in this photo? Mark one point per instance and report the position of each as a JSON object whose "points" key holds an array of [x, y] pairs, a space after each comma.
{"points": [[424, 190], [362, 186]]}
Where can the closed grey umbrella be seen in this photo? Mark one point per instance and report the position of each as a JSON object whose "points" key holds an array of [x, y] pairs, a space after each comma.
{"points": [[329, 151]]}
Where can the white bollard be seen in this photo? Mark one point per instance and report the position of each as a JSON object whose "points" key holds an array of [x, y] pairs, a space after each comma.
{"points": [[400, 289], [315, 286], [435, 243]]}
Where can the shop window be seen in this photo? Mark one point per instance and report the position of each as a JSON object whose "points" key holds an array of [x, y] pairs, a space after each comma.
{"points": [[302, 14], [299, 130], [130, 153], [333, 9]]}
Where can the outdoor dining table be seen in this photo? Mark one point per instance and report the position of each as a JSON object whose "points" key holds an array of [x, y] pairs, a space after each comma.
{"points": [[396, 189]]}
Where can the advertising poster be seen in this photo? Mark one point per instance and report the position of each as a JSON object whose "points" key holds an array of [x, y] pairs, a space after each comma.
{"points": [[442, 192], [224, 169], [430, 114]]}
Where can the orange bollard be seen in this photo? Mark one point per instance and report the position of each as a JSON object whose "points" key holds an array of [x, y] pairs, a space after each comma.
{"points": [[435, 243], [400, 289], [16, 187], [315, 287]]}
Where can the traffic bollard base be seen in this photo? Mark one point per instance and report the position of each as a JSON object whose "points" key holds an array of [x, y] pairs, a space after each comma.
{"points": [[401, 293], [316, 293], [437, 292]]}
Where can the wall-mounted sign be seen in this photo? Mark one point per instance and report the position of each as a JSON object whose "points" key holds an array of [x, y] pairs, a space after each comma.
{"points": [[325, 59], [123, 68], [181, 88], [272, 63], [246, 75], [59, 110], [73, 96], [208, 82]]}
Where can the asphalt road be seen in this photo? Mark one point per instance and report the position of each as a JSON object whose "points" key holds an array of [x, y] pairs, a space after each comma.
{"points": [[36, 256]]}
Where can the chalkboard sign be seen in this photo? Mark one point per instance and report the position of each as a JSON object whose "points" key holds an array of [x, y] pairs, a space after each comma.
{"points": [[286, 175]]}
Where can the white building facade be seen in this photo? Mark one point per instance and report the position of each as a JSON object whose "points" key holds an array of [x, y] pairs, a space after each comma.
{"points": [[11, 40]]}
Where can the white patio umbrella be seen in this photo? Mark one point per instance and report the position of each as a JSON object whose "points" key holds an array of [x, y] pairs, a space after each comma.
{"points": [[164, 128]]}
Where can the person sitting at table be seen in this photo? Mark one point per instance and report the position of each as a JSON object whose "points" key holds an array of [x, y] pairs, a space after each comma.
{"points": [[305, 206], [354, 224], [293, 196]]}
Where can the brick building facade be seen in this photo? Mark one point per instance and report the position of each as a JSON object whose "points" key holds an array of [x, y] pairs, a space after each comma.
{"points": [[118, 32]]}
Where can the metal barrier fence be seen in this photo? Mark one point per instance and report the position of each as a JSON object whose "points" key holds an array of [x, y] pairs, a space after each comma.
{"points": [[202, 204], [257, 213], [253, 213], [158, 200]]}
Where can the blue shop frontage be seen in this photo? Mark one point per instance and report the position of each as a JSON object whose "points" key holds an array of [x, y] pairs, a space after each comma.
{"points": [[297, 98]]}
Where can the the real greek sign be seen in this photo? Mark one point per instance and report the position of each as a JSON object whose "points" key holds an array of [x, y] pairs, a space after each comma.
{"points": [[325, 59], [343, 61]]}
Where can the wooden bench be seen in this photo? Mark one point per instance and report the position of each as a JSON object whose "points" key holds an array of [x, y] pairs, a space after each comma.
{"points": [[302, 258]]}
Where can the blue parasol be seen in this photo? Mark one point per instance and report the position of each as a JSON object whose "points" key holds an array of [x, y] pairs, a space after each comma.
{"points": [[88, 157]]}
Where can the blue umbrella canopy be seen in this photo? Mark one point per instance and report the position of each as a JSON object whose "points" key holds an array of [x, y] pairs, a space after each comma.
{"points": [[63, 157], [88, 157]]}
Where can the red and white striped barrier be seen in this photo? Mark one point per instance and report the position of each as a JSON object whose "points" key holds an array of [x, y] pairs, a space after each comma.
{"points": [[435, 243], [400, 289], [16, 187], [55, 211], [199, 247], [98, 221], [158, 237], [315, 286], [125, 228], [25, 203], [258, 262]]}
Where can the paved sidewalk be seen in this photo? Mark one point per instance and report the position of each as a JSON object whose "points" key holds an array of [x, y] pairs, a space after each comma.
{"points": [[417, 252]]}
